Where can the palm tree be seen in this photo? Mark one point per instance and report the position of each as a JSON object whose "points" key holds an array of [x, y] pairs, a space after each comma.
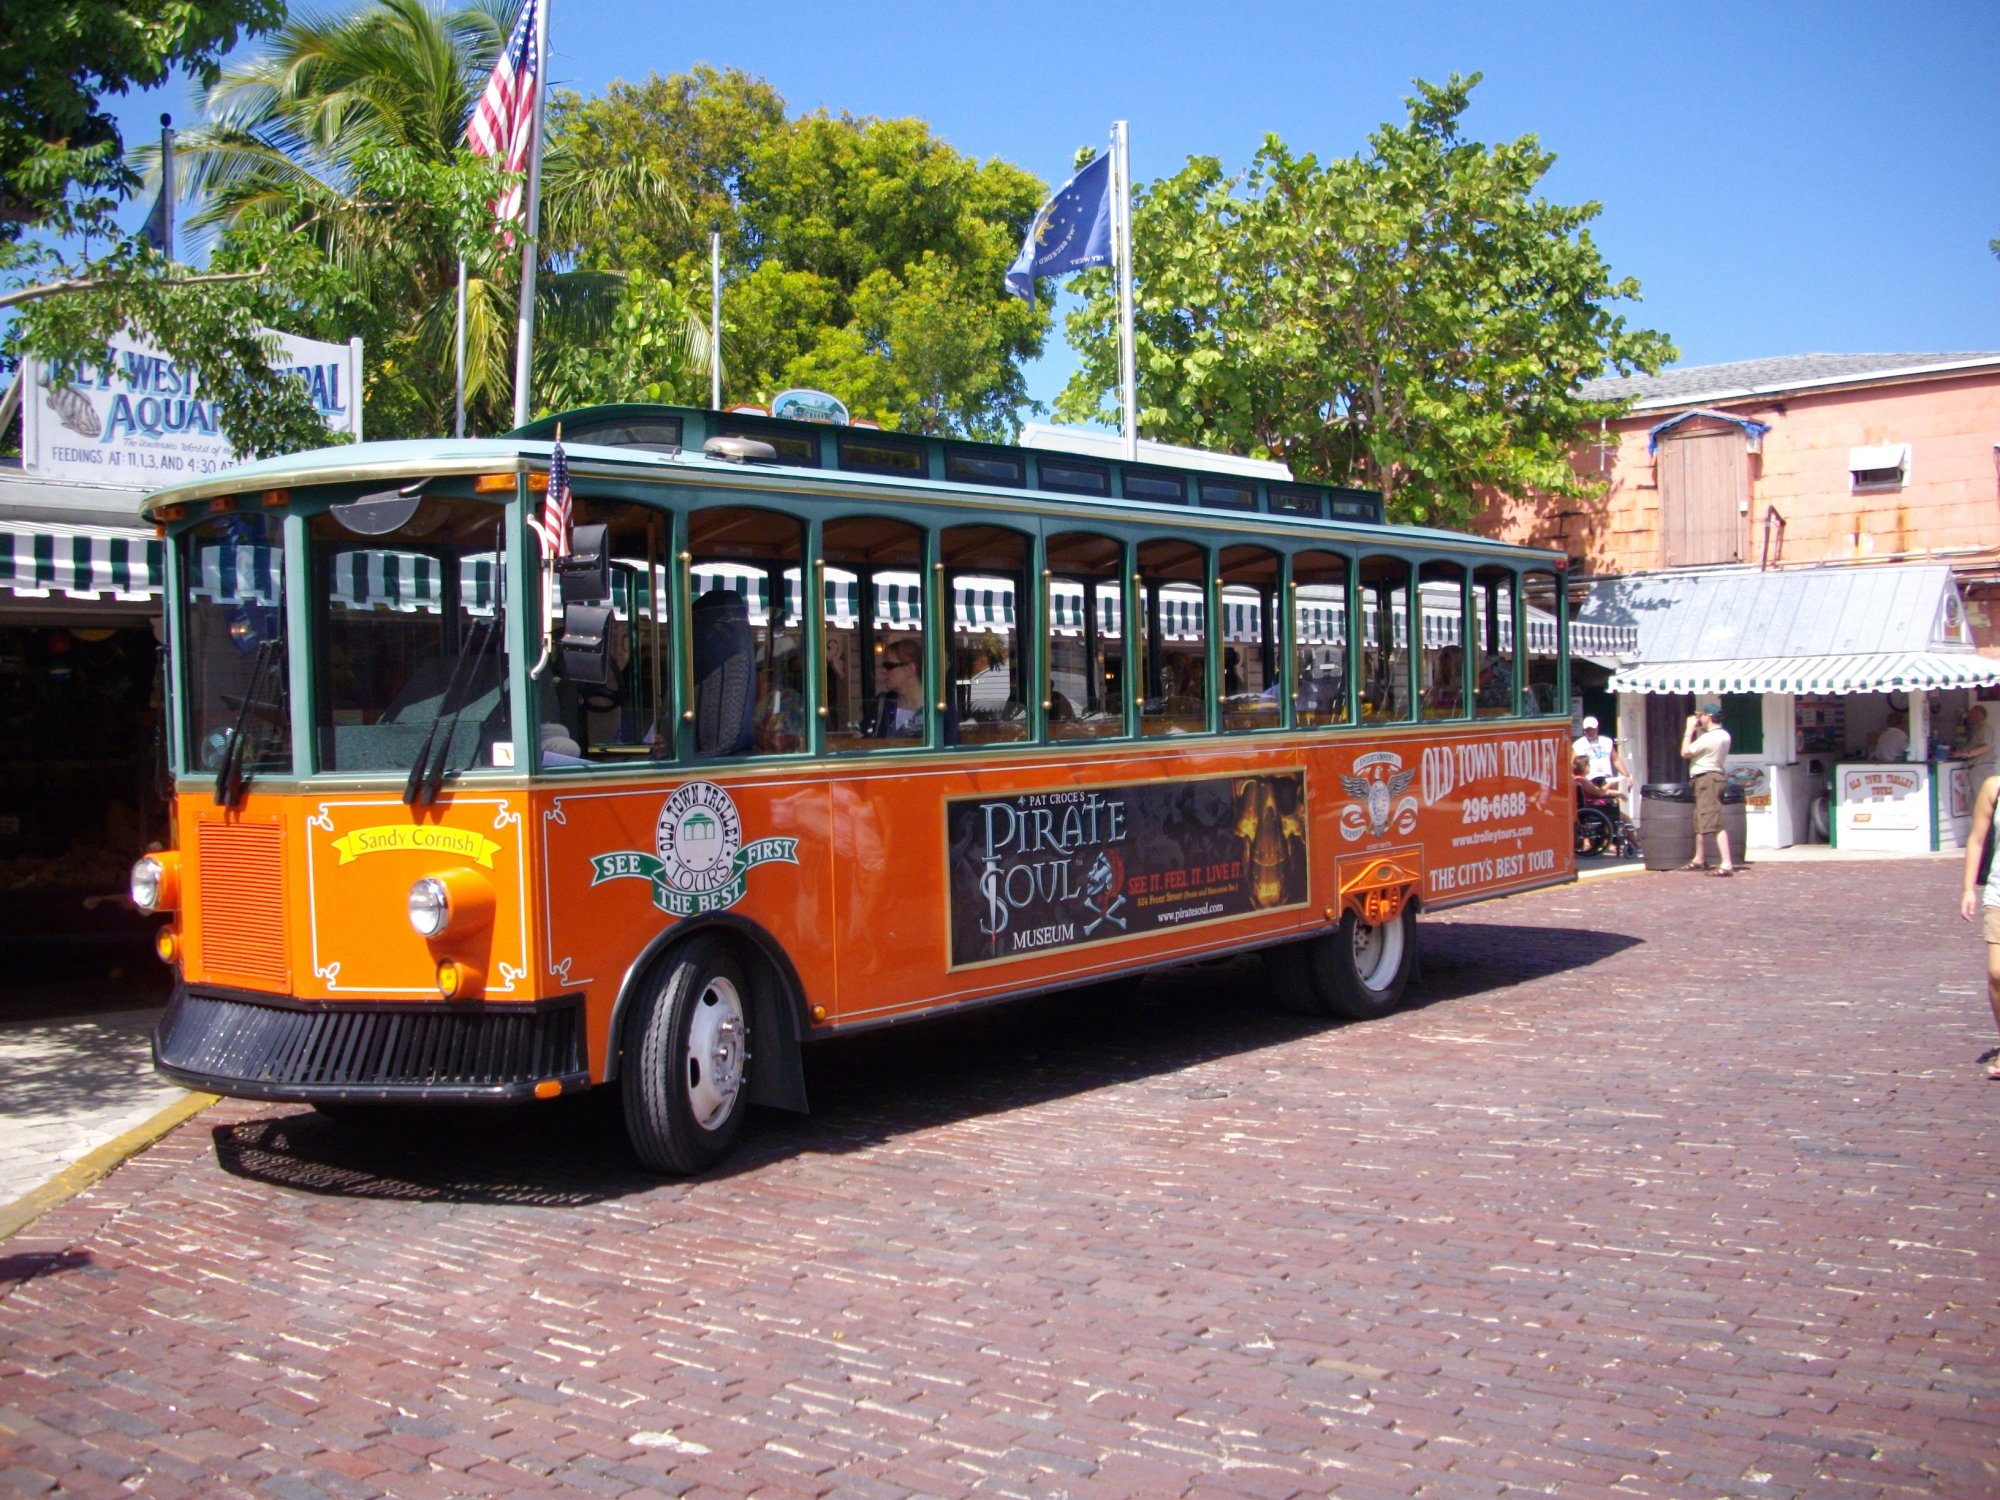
{"points": [[348, 131]]}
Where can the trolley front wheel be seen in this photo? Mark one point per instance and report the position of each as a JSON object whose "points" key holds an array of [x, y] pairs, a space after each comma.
{"points": [[686, 1073]]}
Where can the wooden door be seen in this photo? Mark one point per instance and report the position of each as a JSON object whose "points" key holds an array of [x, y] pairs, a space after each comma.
{"points": [[1704, 479]]}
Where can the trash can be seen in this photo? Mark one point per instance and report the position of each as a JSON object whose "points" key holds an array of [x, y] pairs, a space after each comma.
{"points": [[1666, 824]]}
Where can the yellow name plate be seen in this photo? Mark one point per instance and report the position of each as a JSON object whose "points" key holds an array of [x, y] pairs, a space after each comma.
{"points": [[389, 839]]}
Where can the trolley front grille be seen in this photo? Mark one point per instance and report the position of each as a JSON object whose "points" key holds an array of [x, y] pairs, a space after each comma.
{"points": [[238, 1046], [240, 900]]}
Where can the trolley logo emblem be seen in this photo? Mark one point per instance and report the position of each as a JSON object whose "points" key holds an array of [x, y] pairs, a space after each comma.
{"points": [[1377, 790], [700, 862]]}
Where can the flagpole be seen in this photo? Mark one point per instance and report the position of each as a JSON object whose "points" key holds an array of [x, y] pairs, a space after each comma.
{"points": [[167, 182], [458, 421], [524, 343], [1121, 233], [715, 319]]}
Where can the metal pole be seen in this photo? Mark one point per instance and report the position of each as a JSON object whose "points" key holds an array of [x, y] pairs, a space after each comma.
{"points": [[458, 422], [524, 346], [167, 184], [1121, 221], [715, 319]]}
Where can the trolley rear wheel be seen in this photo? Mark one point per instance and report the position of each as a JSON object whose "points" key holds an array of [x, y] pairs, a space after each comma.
{"points": [[1358, 971], [686, 1072]]}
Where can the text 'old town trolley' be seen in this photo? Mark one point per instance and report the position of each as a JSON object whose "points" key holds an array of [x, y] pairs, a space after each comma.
{"points": [[810, 729]]}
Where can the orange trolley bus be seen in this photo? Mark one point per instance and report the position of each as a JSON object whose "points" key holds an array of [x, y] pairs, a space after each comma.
{"points": [[810, 729]]}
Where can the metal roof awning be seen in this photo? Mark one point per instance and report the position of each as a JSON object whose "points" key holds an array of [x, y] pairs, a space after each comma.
{"points": [[1868, 672]]}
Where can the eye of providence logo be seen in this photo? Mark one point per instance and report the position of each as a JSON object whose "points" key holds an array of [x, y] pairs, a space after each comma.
{"points": [[700, 862]]}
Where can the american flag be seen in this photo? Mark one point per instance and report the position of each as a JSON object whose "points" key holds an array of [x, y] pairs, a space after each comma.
{"points": [[555, 504], [504, 123]]}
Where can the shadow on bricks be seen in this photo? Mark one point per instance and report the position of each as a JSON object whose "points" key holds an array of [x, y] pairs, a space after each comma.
{"points": [[865, 1089]]}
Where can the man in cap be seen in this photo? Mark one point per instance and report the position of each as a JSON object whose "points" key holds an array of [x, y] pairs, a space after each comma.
{"points": [[1705, 747], [1607, 766]]}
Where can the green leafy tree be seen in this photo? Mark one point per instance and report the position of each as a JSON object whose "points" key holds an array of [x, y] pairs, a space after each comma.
{"points": [[654, 349], [863, 255], [1413, 318], [213, 324], [347, 131], [56, 64], [697, 130]]}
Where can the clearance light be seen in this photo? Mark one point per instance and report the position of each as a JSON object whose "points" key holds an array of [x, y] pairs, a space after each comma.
{"points": [[500, 484], [167, 946], [170, 512], [450, 978], [221, 505], [275, 498], [548, 1088]]}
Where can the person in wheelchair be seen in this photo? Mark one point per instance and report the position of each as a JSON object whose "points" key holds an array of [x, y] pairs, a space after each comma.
{"points": [[1600, 821]]}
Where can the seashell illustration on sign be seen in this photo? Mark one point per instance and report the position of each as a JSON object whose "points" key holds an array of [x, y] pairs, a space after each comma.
{"points": [[73, 409]]}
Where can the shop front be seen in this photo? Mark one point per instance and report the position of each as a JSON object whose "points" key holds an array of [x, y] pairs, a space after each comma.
{"points": [[81, 762], [1846, 692]]}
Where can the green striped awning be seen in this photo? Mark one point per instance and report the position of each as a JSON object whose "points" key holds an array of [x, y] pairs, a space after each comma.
{"points": [[82, 562], [1869, 672]]}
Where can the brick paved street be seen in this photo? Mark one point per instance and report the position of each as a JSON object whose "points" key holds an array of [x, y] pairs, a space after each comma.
{"points": [[1675, 1187]]}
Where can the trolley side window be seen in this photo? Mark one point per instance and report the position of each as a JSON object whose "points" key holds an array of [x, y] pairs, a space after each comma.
{"points": [[985, 573], [876, 657], [236, 677], [1083, 604], [1251, 638], [1496, 643], [1173, 630], [606, 699], [1385, 640], [1547, 621], [745, 640], [1321, 639], [1441, 641]]}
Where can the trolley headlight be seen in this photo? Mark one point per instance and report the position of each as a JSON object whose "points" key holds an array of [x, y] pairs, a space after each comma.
{"points": [[430, 907], [156, 882]]}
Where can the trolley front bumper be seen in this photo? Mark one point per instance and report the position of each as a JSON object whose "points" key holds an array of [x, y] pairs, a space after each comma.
{"points": [[265, 1047]]}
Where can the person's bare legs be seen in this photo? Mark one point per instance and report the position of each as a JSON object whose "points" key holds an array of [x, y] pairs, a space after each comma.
{"points": [[1722, 850], [1993, 997]]}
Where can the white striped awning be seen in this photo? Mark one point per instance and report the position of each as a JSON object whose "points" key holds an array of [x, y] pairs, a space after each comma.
{"points": [[1871, 672], [238, 573], [409, 582], [82, 562]]}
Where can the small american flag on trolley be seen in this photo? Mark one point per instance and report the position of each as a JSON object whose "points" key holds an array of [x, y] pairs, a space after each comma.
{"points": [[555, 504], [504, 123]]}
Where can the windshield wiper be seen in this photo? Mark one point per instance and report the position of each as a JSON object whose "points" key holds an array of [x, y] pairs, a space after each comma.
{"points": [[229, 776], [427, 774]]}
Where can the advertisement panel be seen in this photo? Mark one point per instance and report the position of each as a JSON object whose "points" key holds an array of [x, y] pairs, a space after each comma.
{"points": [[1042, 870], [140, 420]]}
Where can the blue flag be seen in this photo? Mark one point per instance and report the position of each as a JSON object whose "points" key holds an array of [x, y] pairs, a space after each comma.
{"points": [[1072, 231]]}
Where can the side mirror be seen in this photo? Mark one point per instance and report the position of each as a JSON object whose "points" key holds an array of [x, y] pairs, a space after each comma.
{"points": [[586, 644]]}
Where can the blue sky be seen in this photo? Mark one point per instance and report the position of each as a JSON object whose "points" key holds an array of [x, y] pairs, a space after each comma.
{"points": [[1785, 178]]}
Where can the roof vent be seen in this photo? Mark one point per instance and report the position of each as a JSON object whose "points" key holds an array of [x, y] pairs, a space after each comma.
{"points": [[740, 450]]}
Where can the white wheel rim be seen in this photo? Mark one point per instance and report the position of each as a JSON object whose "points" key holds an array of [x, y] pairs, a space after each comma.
{"points": [[1378, 953], [715, 1053]]}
